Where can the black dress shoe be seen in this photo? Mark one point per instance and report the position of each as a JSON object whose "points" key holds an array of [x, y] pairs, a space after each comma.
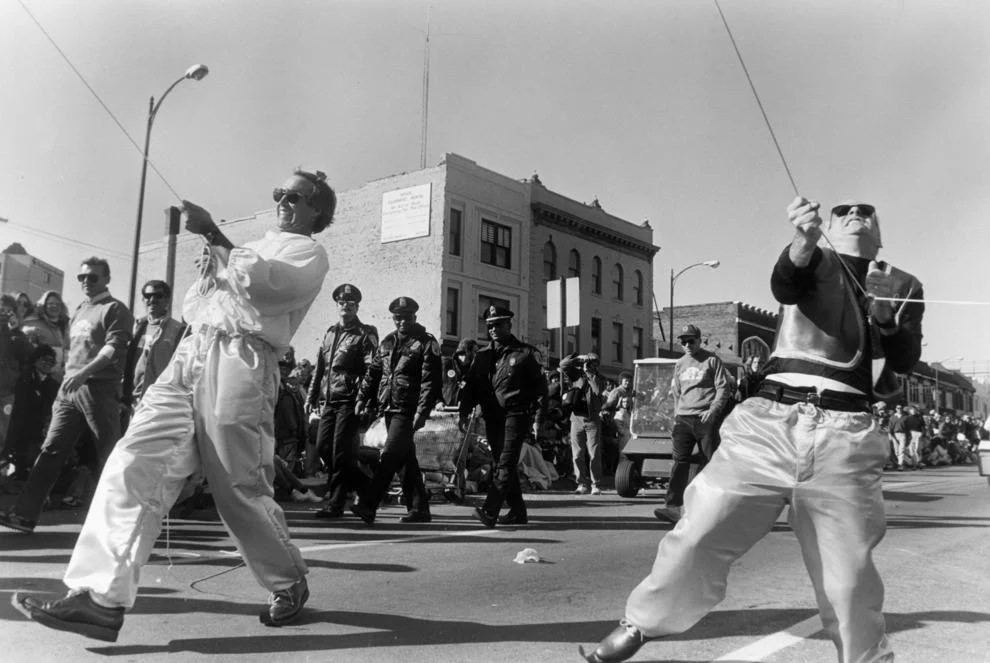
{"points": [[619, 645], [416, 517], [513, 519], [329, 513], [367, 514], [285, 605], [76, 613], [15, 522], [486, 518]]}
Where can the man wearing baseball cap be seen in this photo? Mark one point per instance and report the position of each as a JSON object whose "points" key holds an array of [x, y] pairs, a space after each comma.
{"points": [[402, 384], [505, 379], [700, 388], [346, 353]]}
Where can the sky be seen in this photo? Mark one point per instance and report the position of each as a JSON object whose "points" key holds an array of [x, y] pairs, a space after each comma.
{"points": [[642, 104]]}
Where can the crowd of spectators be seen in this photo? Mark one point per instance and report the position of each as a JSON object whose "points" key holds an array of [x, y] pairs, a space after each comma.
{"points": [[929, 439]]}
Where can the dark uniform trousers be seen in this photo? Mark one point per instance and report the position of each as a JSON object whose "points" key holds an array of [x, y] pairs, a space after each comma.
{"points": [[688, 432], [506, 432], [337, 443], [399, 453]]}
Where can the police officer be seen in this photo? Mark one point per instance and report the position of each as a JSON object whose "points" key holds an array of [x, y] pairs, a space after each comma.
{"points": [[403, 383], [347, 351], [505, 379]]}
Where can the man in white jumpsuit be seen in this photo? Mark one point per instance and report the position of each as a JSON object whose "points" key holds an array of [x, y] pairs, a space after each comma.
{"points": [[211, 410], [806, 439]]}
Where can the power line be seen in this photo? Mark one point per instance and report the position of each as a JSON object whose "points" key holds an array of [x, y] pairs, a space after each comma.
{"points": [[66, 240]]}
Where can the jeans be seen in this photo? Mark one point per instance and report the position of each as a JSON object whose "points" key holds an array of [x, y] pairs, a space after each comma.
{"points": [[689, 431], [95, 405], [586, 448]]}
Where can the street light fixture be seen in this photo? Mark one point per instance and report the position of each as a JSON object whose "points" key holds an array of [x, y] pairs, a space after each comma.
{"points": [[937, 395], [673, 278], [196, 72]]}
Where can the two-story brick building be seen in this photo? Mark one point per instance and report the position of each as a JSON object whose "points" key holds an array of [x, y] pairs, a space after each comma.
{"points": [[459, 238]]}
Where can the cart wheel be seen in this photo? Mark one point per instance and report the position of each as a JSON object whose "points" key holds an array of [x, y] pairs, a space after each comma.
{"points": [[627, 478]]}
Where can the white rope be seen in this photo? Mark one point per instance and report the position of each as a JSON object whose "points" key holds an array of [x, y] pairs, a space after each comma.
{"points": [[931, 301]]}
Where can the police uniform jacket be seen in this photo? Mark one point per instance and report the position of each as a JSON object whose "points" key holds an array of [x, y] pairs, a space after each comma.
{"points": [[404, 375], [344, 358], [508, 377]]}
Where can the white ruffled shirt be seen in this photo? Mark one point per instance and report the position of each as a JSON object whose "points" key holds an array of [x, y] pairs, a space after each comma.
{"points": [[265, 290]]}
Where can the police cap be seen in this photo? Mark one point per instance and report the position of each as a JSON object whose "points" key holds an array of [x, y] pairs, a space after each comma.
{"points": [[498, 313], [345, 292], [403, 305]]}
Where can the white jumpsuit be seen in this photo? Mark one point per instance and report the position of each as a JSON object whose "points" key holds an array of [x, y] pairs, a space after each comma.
{"points": [[210, 410]]}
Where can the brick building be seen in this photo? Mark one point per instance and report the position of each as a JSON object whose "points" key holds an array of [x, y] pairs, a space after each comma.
{"points": [[458, 238], [22, 272], [734, 329]]}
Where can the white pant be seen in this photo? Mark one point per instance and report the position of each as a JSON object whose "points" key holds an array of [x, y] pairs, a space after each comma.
{"points": [[828, 466], [211, 409], [907, 447]]}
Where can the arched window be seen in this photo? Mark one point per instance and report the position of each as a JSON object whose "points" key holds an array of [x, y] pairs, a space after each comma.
{"points": [[638, 287], [549, 261], [574, 263], [617, 279], [596, 275]]}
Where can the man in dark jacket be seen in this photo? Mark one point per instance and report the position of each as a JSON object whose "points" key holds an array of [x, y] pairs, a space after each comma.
{"points": [[505, 379], [348, 350], [403, 383], [455, 369]]}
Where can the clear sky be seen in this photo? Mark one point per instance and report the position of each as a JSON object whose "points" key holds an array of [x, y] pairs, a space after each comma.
{"points": [[640, 103]]}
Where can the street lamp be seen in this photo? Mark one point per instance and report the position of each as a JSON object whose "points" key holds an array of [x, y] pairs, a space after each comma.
{"points": [[196, 72], [937, 395], [673, 278]]}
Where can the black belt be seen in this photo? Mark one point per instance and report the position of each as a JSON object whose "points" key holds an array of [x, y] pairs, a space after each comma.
{"points": [[827, 400]]}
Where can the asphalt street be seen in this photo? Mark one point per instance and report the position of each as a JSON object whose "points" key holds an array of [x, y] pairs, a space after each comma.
{"points": [[450, 590]]}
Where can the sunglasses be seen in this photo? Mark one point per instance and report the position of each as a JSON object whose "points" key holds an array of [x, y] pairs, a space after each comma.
{"points": [[864, 210], [402, 317], [688, 341], [153, 295], [292, 197], [88, 278]]}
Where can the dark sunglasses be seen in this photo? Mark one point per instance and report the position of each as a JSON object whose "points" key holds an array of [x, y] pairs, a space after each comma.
{"points": [[292, 197], [688, 341], [153, 295], [863, 209], [399, 317], [88, 278]]}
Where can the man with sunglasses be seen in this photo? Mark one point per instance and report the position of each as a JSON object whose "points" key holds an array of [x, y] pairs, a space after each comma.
{"points": [[700, 389], [403, 385], [348, 350], [805, 440], [211, 410], [505, 379], [89, 397], [156, 335]]}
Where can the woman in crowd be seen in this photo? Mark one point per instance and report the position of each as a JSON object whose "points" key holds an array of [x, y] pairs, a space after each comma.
{"points": [[49, 325]]}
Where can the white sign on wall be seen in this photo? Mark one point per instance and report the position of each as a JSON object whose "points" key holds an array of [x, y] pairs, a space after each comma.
{"points": [[406, 213]]}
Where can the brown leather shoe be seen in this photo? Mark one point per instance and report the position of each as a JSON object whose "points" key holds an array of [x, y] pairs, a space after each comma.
{"points": [[76, 613], [618, 645], [285, 605]]}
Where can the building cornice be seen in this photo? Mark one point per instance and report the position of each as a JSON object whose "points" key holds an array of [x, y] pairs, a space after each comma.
{"points": [[547, 215]]}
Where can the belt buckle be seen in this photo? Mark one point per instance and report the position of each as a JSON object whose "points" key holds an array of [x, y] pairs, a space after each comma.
{"points": [[814, 398]]}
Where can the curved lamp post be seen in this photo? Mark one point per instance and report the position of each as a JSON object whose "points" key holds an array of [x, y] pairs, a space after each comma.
{"points": [[196, 72], [673, 278]]}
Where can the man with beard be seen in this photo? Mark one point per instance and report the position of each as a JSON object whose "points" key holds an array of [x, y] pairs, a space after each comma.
{"points": [[505, 379], [403, 383]]}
